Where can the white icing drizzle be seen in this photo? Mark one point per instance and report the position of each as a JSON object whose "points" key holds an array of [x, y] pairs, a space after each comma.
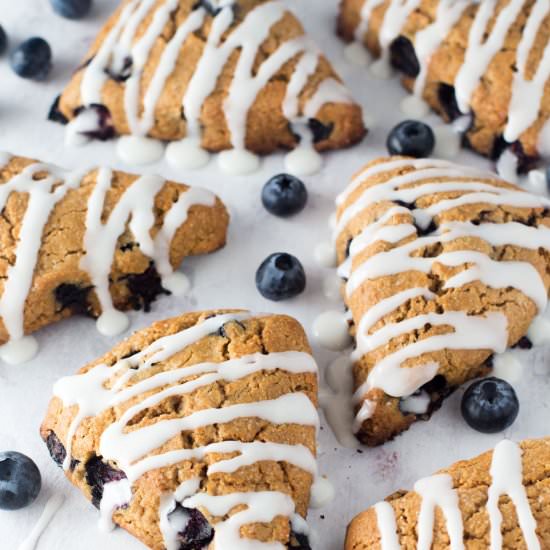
{"points": [[437, 491], [387, 526], [468, 332], [482, 46], [121, 46], [507, 479], [136, 205], [129, 449], [52, 506]]}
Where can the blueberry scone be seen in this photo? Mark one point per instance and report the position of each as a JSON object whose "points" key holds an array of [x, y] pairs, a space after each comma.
{"points": [[94, 242], [500, 499], [197, 432], [231, 74], [444, 266], [489, 61]]}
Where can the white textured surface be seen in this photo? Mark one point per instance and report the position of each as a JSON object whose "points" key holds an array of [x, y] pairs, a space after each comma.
{"points": [[225, 279]]}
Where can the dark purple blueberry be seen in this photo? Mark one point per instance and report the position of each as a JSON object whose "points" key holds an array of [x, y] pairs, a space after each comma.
{"points": [[284, 195], [403, 57], [319, 130], [98, 474], [198, 533], [221, 331], [447, 99], [524, 343], [428, 230], [20, 481], [71, 9], [73, 297], [55, 115], [407, 205], [438, 385], [145, 288], [32, 59], [3, 40], [298, 541], [105, 129], [411, 138], [123, 73], [525, 162], [211, 8], [490, 405], [280, 277], [56, 449]]}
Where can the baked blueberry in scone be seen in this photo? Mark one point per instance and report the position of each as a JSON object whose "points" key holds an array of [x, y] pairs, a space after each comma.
{"points": [[198, 432], [489, 61], [497, 500], [444, 266], [94, 242], [238, 74]]}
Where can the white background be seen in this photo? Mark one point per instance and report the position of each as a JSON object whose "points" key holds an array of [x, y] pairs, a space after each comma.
{"points": [[225, 279]]}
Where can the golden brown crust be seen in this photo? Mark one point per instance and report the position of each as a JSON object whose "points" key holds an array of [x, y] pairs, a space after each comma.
{"points": [[471, 479], [263, 334], [476, 298], [491, 99], [134, 281], [267, 128]]}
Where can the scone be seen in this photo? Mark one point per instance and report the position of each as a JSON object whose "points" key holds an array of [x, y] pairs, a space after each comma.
{"points": [[94, 242], [487, 60], [197, 432], [232, 74], [500, 499], [444, 266]]}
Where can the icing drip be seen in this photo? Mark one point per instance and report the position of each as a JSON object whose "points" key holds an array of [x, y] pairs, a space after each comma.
{"points": [[387, 526], [467, 331], [135, 206], [51, 508], [437, 491], [105, 387], [507, 479], [121, 52]]}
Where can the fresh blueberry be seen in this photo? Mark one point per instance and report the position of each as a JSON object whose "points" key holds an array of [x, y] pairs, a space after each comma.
{"points": [[284, 195], [281, 276], [3, 40], [71, 9], [32, 59], [20, 481], [411, 138], [490, 405]]}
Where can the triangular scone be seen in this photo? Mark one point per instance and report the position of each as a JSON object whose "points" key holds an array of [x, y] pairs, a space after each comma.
{"points": [[234, 74], [197, 432], [489, 61], [500, 499], [92, 241], [444, 266]]}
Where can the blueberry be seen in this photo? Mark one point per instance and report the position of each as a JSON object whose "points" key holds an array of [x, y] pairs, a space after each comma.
{"points": [[20, 481], [447, 98], [490, 405], [198, 533], [3, 40], [403, 57], [98, 474], [32, 59], [71, 9], [281, 276], [411, 138], [284, 195]]}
